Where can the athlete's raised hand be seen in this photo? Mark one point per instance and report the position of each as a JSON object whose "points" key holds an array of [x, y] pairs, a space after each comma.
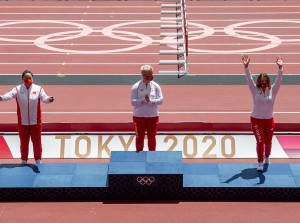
{"points": [[279, 62], [246, 60]]}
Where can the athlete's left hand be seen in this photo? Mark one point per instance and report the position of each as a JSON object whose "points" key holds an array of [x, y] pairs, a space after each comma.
{"points": [[279, 62]]}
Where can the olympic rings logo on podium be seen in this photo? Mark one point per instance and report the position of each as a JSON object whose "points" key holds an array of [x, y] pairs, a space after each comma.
{"points": [[145, 180]]}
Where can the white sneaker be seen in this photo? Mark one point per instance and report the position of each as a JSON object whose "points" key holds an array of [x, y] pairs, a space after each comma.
{"points": [[38, 162], [260, 167], [24, 162], [267, 160]]}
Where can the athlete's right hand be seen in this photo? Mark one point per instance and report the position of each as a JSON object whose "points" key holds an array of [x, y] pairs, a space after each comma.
{"points": [[1, 98], [147, 98]]}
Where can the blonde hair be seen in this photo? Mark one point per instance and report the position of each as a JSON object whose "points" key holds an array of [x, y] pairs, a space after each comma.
{"points": [[258, 81], [146, 69]]}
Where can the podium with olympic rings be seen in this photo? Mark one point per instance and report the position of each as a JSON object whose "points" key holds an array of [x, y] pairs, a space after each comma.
{"points": [[149, 176], [145, 174]]}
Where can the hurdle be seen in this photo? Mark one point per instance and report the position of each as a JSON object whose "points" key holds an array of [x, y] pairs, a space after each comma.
{"points": [[178, 23]]}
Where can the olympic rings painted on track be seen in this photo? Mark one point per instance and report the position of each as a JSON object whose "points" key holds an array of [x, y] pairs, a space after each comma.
{"points": [[144, 40], [145, 180], [41, 42], [109, 31], [85, 30], [274, 42], [206, 32], [238, 25], [229, 30]]}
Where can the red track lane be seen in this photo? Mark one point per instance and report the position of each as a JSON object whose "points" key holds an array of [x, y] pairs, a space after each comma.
{"points": [[163, 211], [99, 15], [208, 100]]}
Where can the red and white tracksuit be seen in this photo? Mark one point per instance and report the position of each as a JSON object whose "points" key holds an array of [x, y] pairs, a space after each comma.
{"points": [[145, 114], [29, 117], [262, 122]]}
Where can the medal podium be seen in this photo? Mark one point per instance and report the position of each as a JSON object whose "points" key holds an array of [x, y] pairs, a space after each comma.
{"points": [[145, 175], [131, 175]]}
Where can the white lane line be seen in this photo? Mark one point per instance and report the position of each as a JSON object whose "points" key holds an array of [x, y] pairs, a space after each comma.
{"points": [[143, 6], [67, 63], [83, 7], [151, 35], [140, 27], [130, 20], [245, 6], [176, 112], [72, 28], [148, 13], [138, 74], [125, 53], [243, 13], [81, 13]]}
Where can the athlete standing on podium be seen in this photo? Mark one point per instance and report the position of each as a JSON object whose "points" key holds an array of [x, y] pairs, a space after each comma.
{"points": [[146, 95], [262, 122], [28, 97]]}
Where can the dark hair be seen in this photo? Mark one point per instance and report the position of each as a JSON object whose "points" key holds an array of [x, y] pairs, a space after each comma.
{"points": [[258, 81], [25, 72]]}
